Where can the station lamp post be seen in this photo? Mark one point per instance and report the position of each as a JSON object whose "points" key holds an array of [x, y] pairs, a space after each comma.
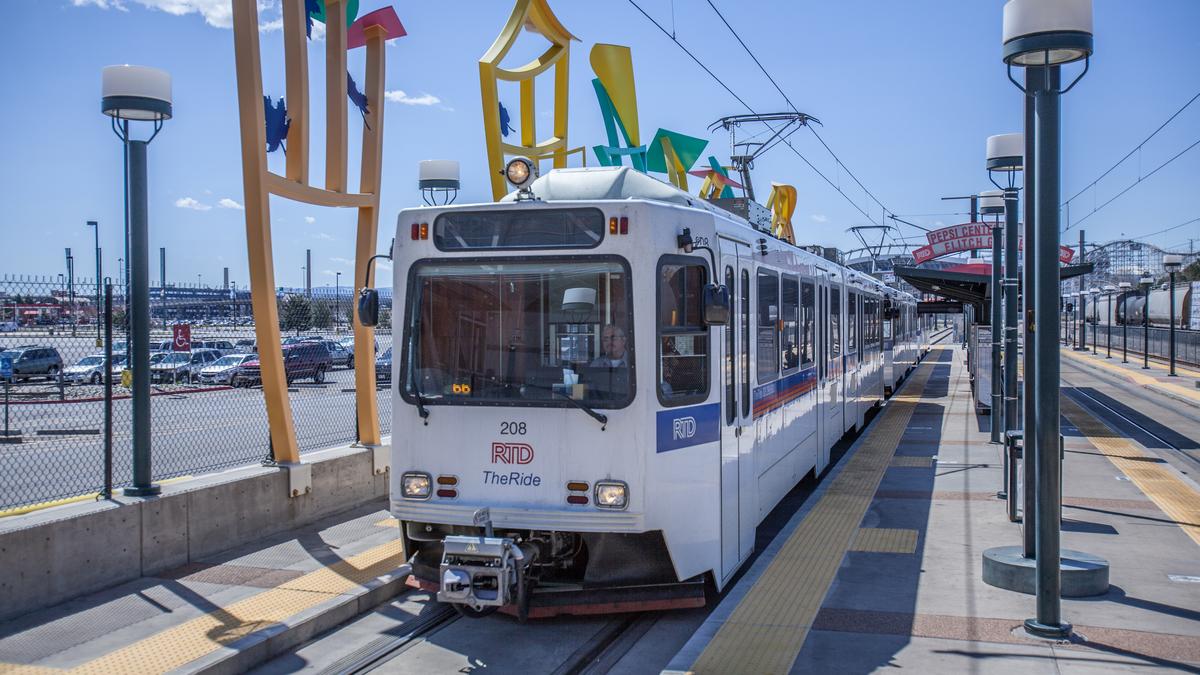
{"points": [[1042, 35], [95, 225], [1110, 289], [1146, 282], [133, 94], [337, 301], [1005, 154], [1172, 263], [991, 202], [1095, 293], [1125, 287]]}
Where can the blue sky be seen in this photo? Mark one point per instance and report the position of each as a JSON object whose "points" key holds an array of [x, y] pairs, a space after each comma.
{"points": [[908, 93]]}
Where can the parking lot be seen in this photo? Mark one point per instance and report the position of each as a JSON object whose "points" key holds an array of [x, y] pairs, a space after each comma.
{"points": [[196, 428]]}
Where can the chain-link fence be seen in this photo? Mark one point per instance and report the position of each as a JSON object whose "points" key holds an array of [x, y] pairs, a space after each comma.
{"points": [[207, 408]]}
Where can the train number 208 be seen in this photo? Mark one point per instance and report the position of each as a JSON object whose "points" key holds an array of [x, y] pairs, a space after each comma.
{"points": [[512, 428]]}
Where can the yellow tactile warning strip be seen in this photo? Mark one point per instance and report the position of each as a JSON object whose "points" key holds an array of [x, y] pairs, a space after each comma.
{"points": [[1133, 375], [765, 632], [1176, 498], [905, 461], [387, 522], [884, 540], [198, 637]]}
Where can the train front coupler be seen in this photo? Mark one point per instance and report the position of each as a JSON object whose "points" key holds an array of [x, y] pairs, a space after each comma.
{"points": [[481, 574]]}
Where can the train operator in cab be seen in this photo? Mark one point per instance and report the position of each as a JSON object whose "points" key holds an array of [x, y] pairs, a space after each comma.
{"points": [[612, 344]]}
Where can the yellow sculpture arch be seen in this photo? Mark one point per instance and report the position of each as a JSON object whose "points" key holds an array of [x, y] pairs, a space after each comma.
{"points": [[259, 183], [535, 16]]}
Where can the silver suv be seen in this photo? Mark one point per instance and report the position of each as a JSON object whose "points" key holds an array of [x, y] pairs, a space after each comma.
{"points": [[29, 361]]}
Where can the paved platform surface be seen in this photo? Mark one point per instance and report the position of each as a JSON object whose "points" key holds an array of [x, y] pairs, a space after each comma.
{"points": [[882, 568], [224, 613]]}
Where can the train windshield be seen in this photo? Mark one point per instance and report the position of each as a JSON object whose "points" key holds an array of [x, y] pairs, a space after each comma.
{"points": [[527, 332]]}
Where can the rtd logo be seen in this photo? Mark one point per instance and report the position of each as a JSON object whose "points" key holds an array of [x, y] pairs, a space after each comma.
{"points": [[511, 453], [683, 427]]}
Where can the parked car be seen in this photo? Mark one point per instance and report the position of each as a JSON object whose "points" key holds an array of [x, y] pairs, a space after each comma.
{"points": [[246, 346], [225, 370], [88, 370], [223, 346], [182, 366], [29, 361], [338, 353], [348, 343], [300, 360], [383, 366], [119, 363], [8, 326], [293, 339]]}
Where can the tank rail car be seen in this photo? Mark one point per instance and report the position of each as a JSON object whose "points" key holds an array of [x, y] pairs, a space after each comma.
{"points": [[607, 383], [1130, 307]]}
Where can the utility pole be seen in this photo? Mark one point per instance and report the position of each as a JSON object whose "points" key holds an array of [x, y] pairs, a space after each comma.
{"points": [[308, 273], [1082, 346]]}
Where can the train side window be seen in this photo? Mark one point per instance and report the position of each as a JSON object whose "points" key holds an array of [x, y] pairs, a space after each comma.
{"points": [[683, 337], [730, 358], [767, 326], [835, 323], [852, 323], [807, 300], [789, 331], [745, 369]]}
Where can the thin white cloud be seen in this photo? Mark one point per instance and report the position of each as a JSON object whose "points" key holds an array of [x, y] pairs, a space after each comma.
{"points": [[342, 261], [189, 203], [323, 236], [398, 96], [216, 13], [310, 220], [227, 203], [102, 4], [819, 218]]}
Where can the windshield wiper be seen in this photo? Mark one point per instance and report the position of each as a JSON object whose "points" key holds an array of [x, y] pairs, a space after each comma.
{"points": [[598, 416]]}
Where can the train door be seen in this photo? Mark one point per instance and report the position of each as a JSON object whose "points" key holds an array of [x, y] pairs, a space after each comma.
{"points": [[738, 513], [836, 388], [829, 424]]}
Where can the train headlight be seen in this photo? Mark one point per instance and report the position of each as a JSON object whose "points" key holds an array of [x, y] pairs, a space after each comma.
{"points": [[612, 494], [415, 485], [519, 171]]}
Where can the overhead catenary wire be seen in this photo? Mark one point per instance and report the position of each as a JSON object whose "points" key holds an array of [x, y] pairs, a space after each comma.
{"points": [[1172, 228], [779, 89], [746, 105], [1131, 153], [1131, 186]]}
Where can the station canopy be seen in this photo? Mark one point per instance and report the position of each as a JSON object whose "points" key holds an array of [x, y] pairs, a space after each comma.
{"points": [[969, 283]]}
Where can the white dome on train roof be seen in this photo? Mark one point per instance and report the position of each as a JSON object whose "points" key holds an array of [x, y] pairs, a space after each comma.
{"points": [[609, 183]]}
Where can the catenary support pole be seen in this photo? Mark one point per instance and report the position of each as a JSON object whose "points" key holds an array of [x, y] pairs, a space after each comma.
{"points": [[1011, 235], [1171, 343], [1034, 81], [139, 338], [1048, 583], [1081, 305], [997, 326]]}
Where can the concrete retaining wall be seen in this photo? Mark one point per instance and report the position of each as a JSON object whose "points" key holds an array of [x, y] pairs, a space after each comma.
{"points": [[51, 556]]}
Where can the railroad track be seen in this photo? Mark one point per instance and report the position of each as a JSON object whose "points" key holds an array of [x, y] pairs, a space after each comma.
{"points": [[1166, 440]]}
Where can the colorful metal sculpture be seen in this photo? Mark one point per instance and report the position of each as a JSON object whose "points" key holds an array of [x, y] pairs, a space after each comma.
{"points": [[670, 152], [535, 16], [716, 183], [782, 203], [259, 182]]}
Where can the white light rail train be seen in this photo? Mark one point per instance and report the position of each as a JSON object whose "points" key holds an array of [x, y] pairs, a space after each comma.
{"points": [[604, 384]]}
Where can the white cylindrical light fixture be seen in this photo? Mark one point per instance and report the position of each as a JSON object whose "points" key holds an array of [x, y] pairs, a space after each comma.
{"points": [[991, 202], [1047, 32], [135, 93], [579, 299], [438, 174], [1172, 262], [1006, 152]]}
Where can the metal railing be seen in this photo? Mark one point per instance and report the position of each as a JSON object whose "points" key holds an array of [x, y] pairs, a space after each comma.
{"points": [[54, 437], [1187, 342]]}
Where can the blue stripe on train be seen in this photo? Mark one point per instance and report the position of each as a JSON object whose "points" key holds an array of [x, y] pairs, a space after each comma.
{"points": [[775, 394], [684, 427]]}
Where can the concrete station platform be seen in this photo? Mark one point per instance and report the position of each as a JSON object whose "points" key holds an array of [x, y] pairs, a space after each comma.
{"points": [[223, 613], [882, 567]]}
